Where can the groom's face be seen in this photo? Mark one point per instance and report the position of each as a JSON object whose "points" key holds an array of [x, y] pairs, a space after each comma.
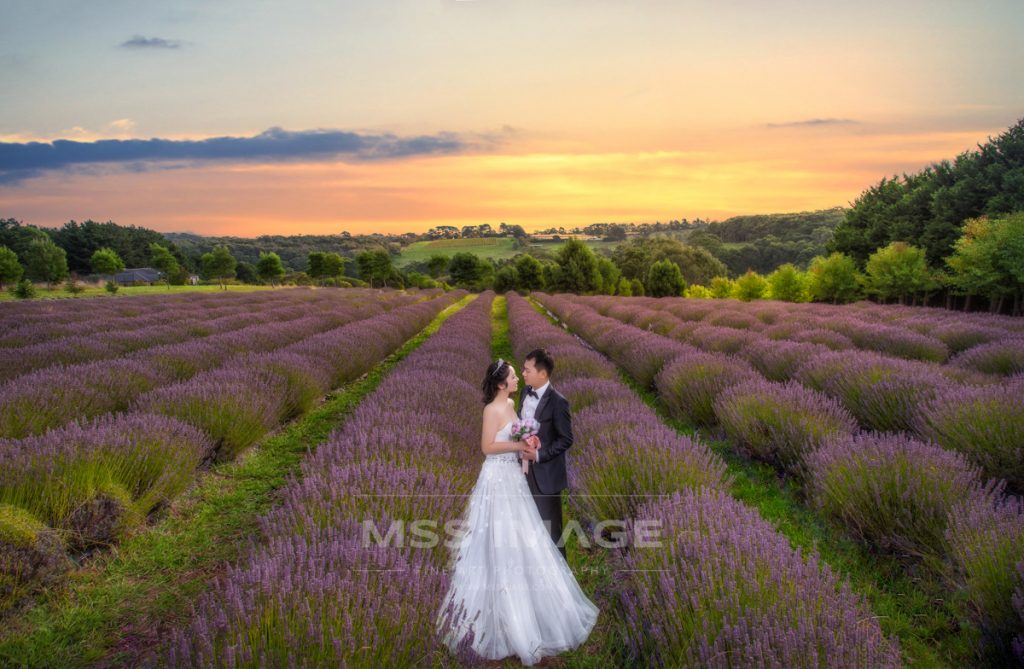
{"points": [[532, 376]]}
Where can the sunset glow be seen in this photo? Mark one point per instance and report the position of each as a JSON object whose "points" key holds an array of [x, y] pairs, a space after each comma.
{"points": [[532, 113]]}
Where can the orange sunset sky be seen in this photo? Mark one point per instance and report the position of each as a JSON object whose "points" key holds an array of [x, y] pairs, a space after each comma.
{"points": [[248, 118]]}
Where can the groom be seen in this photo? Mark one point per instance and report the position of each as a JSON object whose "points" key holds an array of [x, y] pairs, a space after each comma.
{"points": [[546, 477]]}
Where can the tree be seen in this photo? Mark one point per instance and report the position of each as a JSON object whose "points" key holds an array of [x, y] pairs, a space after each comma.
{"points": [[219, 264], [506, 279], [270, 268], [898, 270], [609, 275], [722, 288], [18, 237], [664, 279], [579, 271], [624, 288], [333, 266], [10, 269], [530, 273], [466, 269], [246, 273], [162, 259], [697, 264], [615, 233], [787, 283], [833, 279], [437, 264], [988, 259], [316, 264], [106, 261], [751, 286], [1010, 253], [636, 286], [45, 261], [375, 268]]}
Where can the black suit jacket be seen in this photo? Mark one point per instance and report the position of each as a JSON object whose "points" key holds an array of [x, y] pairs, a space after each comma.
{"points": [[555, 433]]}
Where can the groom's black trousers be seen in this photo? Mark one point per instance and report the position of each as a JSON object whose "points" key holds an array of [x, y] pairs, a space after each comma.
{"points": [[550, 507]]}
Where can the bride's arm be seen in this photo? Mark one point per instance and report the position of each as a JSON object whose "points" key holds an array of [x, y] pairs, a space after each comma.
{"points": [[490, 431]]}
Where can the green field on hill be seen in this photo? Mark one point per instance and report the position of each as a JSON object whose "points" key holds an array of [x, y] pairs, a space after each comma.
{"points": [[497, 248]]}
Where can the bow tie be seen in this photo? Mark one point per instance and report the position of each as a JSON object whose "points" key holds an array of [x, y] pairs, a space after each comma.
{"points": [[531, 392]]}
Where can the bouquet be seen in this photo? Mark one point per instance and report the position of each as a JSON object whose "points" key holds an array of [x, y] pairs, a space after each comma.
{"points": [[521, 429]]}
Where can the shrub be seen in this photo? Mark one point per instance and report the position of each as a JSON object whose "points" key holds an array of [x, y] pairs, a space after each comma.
{"points": [[986, 423], [24, 290], [986, 540], [625, 456], [1004, 357], [882, 393], [31, 555], [781, 423], [725, 590], [690, 383], [779, 360], [95, 478], [891, 490]]}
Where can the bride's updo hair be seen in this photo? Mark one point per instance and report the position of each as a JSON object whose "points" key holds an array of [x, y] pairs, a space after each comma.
{"points": [[497, 374]]}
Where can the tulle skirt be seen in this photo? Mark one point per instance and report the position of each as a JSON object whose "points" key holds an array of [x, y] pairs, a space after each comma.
{"points": [[516, 591]]}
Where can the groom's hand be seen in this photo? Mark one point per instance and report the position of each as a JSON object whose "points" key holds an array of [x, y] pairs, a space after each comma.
{"points": [[530, 452]]}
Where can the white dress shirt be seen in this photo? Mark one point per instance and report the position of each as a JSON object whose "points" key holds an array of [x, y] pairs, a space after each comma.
{"points": [[530, 402]]}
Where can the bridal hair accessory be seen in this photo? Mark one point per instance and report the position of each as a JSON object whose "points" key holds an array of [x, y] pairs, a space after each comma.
{"points": [[501, 361]]}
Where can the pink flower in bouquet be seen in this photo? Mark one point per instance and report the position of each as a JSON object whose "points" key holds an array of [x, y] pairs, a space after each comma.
{"points": [[521, 429]]}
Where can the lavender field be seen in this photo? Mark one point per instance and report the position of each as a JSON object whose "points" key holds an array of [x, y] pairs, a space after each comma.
{"points": [[185, 480]]}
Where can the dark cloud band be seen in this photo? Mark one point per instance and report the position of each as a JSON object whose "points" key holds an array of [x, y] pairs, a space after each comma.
{"points": [[140, 42], [814, 122], [23, 160]]}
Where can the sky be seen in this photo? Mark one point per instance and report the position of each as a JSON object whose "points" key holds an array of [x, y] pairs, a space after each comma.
{"points": [[231, 117]]}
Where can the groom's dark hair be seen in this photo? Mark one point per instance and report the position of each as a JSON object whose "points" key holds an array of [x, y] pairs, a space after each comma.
{"points": [[542, 360]]}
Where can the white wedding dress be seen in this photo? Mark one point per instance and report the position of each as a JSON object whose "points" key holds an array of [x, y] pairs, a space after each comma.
{"points": [[517, 591]]}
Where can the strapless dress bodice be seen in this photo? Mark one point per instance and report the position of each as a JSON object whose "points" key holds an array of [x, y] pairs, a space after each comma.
{"points": [[504, 434]]}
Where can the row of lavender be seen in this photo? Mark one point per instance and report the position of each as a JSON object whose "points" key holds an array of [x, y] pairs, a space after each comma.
{"points": [[981, 415], [169, 324], [87, 483], [724, 589], [894, 491], [42, 319], [315, 591], [51, 397], [981, 342]]}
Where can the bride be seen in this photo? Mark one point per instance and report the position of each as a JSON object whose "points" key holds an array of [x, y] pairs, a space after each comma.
{"points": [[510, 584]]}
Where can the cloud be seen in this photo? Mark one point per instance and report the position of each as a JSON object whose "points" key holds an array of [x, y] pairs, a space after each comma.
{"points": [[22, 160], [140, 42], [812, 123]]}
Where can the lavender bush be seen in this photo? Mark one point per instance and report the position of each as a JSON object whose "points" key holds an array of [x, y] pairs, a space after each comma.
{"points": [[1005, 357], [986, 539], [690, 383], [781, 423], [893, 491], [725, 590], [882, 393], [986, 423]]}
